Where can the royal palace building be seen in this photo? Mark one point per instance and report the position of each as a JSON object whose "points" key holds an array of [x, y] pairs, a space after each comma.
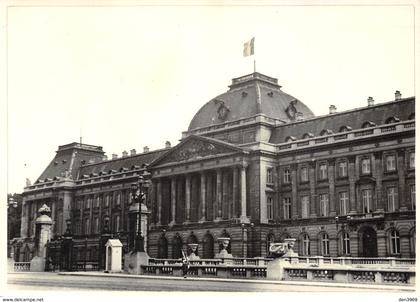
{"points": [[255, 165]]}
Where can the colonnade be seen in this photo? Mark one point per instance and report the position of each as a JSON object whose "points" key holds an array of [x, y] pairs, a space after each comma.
{"points": [[208, 195]]}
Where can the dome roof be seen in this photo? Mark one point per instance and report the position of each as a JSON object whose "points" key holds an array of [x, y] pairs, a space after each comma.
{"points": [[250, 95]]}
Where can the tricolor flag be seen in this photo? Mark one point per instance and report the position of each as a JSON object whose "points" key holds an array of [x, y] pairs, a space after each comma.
{"points": [[249, 48]]}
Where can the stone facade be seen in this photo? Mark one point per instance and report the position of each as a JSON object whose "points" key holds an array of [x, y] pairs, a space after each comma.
{"points": [[257, 166]]}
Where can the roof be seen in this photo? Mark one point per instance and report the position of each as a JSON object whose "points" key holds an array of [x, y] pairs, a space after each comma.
{"points": [[355, 118], [69, 158], [122, 162], [249, 95]]}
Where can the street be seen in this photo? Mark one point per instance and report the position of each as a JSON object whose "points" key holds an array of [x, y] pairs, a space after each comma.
{"points": [[54, 281]]}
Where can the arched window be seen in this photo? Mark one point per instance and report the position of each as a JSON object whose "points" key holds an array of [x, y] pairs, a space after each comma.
{"points": [[305, 245], [368, 124], [345, 128], [290, 139], [345, 243], [413, 242], [177, 247], [325, 132], [325, 244], [307, 135], [392, 119], [163, 247], [270, 239], [208, 246], [394, 242]]}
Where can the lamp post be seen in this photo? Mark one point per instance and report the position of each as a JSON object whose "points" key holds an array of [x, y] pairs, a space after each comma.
{"points": [[139, 195]]}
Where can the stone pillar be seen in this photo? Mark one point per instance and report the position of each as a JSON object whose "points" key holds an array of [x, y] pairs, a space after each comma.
{"points": [[173, 200], [331, 180], [235, 192], [401, 181], [159, 202], [352, 184], [218, 194], [312, 166], [24, 220], [203, 197], [293, 172], [42, 236], [187, 197], [378, 176], [225, 200], [244, 217], [67, 200]]}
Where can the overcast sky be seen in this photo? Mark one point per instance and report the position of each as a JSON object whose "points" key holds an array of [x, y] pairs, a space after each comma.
{"points": [[126, 77]]}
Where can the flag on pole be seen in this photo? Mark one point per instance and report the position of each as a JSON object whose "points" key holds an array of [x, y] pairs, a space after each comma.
{"points": [[249, 48]]}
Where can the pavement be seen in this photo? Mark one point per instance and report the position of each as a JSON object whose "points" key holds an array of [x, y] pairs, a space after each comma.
{"points": [[251, 281]]}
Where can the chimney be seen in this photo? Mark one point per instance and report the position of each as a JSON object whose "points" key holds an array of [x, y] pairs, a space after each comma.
{"points": [[105, 157], [114, 156], [145, 149], [333, 109], [299, 116], [371, 101], [397, 95], [124, 154], [167, 144], [133, 152]]}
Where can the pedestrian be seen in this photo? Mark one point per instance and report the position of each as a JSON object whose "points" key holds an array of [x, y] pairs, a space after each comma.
{"points": [[185, 264]]}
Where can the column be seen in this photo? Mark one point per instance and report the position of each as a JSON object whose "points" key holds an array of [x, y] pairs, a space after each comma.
{"points": [[401, 180], [378, 176], [203, 193], [218, 194], [293, 172], [187, 197], [352, 184], [225, 201], [244, 218], [24, 220], [173, 200], [331, 179], [312, 166], [209, 197], [159, 202], [235, 192]]}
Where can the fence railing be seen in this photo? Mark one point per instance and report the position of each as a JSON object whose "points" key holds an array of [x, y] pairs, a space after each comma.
{"points": [[22, 266]]}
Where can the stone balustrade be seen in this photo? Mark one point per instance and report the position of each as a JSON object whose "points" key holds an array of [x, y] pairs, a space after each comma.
{"points": [[22, 266], [389, 270]]}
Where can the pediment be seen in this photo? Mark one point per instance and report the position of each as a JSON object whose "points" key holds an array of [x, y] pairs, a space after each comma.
{"points": [[195, 148]]}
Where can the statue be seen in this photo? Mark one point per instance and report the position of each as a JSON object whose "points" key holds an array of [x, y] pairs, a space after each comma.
{"points": [[283, 249], [28, 182]]}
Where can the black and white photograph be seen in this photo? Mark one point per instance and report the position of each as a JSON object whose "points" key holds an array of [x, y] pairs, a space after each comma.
{"points": [[225, 147]]}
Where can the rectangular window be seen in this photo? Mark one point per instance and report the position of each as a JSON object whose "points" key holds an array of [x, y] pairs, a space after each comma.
{"points": [[323, 172], [106, 200], [366, 166], [286, 176], [287, 208], [367, 201], [413, 196], [118, 199], [269, 208], [97, 201], [323, 205], [117, 223], [87, 226], [392, 198], [390, 163], [342, 169], [305, 206], [344, 202], [412, 161], [304, 174], [269, 175]]}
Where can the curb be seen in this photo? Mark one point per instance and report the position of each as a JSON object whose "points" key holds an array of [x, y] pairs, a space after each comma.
{"points": [[300, 283]]}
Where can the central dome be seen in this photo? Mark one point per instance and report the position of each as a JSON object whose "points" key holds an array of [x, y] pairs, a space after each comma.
{"points": [[247, 96]]}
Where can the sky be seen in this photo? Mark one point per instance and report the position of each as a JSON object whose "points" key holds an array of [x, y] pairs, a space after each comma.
{"points": [[133, 76]]}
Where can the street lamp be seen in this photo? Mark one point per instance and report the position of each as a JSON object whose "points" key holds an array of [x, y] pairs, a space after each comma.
{"points": [[139, 195]]}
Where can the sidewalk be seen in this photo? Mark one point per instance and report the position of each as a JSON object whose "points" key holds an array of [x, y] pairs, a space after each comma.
{"points": [[255, 281]]}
